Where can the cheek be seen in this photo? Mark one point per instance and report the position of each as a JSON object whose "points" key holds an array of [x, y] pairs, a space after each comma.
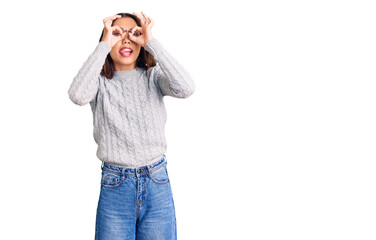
{"points": [[136, 53], [113, 53]]}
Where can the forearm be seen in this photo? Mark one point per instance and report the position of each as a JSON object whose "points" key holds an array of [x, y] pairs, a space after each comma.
{"points": [[85, 84], [172, 78]]}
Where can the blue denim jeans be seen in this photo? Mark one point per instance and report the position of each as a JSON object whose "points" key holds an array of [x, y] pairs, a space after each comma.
{"points": [[135, 203]]}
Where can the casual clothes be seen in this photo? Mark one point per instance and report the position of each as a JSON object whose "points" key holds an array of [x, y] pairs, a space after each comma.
{"points": [[129, 113], [136, 203]]}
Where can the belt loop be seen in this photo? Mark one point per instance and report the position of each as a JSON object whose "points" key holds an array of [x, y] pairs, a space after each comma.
{"points": [[123, 172], [102, 165]]}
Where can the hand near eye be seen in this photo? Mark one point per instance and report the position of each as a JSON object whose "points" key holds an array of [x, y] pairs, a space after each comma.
{"points": [[111, 35], [142, 35]]}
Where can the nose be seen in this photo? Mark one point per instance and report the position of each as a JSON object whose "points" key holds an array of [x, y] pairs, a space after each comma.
{"points": [[125, 38]]}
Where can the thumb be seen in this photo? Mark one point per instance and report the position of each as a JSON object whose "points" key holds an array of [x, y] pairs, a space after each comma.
{"points": [[132, 37], [136, 31]]}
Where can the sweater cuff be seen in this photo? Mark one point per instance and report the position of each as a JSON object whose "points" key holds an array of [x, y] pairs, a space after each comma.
{"points": [[153, 46]]}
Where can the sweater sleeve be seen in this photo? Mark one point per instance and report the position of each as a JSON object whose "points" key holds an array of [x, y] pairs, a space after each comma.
{"points": [[85, 84], [172, 79]]}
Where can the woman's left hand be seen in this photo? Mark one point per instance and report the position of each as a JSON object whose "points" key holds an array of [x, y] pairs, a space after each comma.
{"points": [[142, 35]]}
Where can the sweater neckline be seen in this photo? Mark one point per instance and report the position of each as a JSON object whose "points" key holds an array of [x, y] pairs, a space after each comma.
{"points": [[127, 73]]}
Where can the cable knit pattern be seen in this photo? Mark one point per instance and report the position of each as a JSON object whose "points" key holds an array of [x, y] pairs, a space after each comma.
{"points": [[129, 113]]}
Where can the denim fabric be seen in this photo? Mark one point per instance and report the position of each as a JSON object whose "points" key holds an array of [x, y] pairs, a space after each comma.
{"points": [[135, 203]]}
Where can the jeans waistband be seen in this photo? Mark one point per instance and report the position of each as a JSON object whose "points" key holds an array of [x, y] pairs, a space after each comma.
{"points": [[133, 171]]}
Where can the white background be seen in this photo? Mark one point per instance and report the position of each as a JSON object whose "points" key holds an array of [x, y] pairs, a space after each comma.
{"points": [[277, 142]]}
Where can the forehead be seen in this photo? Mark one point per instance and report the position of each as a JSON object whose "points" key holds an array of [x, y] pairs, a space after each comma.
{"points": [[125, 22]]}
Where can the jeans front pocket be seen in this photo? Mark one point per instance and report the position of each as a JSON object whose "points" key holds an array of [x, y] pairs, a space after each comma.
{"points": [[111, 179], [160, 175]]}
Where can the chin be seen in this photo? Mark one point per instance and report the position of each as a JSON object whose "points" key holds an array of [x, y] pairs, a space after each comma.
{"points": [[128, 61]]}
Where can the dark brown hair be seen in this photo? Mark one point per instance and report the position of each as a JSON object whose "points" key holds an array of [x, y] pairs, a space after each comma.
{"points": [[145, 59]]}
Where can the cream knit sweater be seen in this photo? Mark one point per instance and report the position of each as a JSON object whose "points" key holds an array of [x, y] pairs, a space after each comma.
{"points": [[129, 114]]}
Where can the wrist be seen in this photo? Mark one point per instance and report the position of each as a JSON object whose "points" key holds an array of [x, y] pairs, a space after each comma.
{"points": [[147, 41], [109, 44]]}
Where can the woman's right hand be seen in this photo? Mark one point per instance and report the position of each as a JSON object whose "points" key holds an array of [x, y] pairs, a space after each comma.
{"points": [[111, 35]]}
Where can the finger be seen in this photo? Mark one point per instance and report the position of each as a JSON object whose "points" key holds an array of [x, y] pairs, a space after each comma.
{"points": [[151, 22], [141, 18], [134, 34], [117, 28], [108, 21], [119, 31], [136, 31], [148, 19], [144, 15], [136, 28], [112, 17]]}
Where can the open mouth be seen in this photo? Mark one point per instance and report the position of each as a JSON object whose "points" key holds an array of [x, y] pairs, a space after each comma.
{"points": [[126, 51]]}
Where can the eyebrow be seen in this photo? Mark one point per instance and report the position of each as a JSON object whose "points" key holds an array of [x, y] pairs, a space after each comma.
{"points": [[123, 29]]}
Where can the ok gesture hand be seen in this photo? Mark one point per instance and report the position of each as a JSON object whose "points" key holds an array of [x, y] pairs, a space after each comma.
{"points": [[141, 35], [108, 30]]}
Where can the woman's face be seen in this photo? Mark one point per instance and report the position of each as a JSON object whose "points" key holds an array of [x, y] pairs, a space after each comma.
{"points": [[124, 59]]}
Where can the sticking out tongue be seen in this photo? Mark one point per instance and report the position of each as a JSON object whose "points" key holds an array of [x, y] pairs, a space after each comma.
{"points": [[125, 52]]}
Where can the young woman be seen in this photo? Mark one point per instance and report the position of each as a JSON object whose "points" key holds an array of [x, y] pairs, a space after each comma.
{"points": [[125, 80]]}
